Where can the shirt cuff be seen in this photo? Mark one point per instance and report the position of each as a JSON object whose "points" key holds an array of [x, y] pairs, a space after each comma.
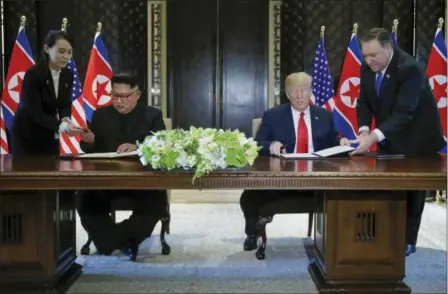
{"points": [[63, 127], [379, 134], [363, 128]]}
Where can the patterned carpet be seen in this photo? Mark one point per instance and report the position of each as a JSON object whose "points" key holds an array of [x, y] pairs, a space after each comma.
{"points": [[207, 257]]}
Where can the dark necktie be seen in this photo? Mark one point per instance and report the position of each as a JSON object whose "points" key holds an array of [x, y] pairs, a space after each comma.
{"points": [[379, 79]]}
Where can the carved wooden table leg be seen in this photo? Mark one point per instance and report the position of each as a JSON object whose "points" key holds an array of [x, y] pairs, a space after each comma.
{"points": [[359, 242], [37, 242]]}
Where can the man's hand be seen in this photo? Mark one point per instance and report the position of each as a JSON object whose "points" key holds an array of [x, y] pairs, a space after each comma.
{"points": [[276, 148], [365, 142], [364, 133], [126, 147], [344, 142], [88, 137]]}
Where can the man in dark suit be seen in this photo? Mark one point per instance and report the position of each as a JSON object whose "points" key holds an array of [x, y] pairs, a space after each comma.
{"points": [[117, 128], [296, 127], [396, 92]]}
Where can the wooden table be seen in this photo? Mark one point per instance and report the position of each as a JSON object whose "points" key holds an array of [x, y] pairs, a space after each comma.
{"points": [[358, 241]]}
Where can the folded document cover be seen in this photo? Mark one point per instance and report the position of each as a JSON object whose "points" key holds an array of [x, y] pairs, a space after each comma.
{"points": [[325, 153], [102, 155]]}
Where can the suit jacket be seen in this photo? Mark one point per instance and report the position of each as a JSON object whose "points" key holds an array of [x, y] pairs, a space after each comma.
{"points": [[112, 128], [405, 111], [35, 121], [277, 124]]}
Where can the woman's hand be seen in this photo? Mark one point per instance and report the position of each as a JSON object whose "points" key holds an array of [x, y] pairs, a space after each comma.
{"points": [[73, 130]]}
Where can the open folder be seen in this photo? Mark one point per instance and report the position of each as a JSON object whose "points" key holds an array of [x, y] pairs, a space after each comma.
{"points": [[102, 155], [325, 153]]}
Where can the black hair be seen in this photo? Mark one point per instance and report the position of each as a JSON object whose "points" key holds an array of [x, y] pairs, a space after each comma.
{"points": [[50, 40], [379, 34], [126, 79]]}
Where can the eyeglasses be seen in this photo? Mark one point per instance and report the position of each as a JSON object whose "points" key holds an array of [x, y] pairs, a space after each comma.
{"points": [[123, 97]]}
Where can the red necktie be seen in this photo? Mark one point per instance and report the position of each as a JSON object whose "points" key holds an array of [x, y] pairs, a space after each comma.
{"points": [[302, 135]]}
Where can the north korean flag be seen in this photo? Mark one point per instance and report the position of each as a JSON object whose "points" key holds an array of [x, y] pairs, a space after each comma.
{"points": [[97, 85]]}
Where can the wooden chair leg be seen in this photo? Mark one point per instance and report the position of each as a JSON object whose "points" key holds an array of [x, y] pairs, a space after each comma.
{"points": [[310, 223], [166, 249], [262, 222]]}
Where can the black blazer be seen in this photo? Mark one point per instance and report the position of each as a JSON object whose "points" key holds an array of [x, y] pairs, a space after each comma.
{"points": [[111, 129], [35, 121], [405, 112], [277, 125]]}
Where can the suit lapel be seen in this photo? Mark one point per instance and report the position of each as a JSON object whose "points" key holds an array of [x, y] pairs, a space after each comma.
{"points": [[315, 126], [50, 84], [388, 74], [289, 130], [387, 100], [64, 86]]}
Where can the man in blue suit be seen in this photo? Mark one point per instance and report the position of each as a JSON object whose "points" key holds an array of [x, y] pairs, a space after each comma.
{"points": [[296, 127]]}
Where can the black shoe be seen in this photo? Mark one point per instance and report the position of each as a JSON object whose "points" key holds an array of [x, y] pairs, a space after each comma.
{"points": [[131, 249], [251, 242], [410, 249]]}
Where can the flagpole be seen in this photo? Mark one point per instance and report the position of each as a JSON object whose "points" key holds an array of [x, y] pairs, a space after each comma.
{"points": [[3, 41], [64, 24], [355, 28], [440, 23], [395, 28], [322, 32], [99, 27]]}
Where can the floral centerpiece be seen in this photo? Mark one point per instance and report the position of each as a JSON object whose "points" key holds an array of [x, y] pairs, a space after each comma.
{"points": [[198, 149]]}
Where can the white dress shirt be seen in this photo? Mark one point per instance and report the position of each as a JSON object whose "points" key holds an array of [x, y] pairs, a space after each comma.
{"points": [[377, 132], [307, 118]]}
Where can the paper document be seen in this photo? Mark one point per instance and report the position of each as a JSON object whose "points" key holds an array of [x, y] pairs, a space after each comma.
{"points": [[108, 155], [323, 153]]}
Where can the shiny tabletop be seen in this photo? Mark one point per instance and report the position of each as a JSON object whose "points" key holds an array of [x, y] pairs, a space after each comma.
{"points": [[429, 169]]}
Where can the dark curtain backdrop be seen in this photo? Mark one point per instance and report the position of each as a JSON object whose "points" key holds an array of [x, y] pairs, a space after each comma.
{"points": [[302, 19], [125, 28]]}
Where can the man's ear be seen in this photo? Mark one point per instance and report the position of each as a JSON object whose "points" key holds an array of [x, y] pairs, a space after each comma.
{"points": [[138, 93], [46, 49]]}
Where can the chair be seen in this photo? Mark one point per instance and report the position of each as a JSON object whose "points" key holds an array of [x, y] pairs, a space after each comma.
{"points": [[303, 203], [124, 204]]}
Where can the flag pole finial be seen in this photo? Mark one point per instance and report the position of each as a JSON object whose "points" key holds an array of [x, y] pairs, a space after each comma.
{"points": [[322, 31], [99, 27], [395, 25], [22, 21], [64, 24], [440, 24], [355, 28]]}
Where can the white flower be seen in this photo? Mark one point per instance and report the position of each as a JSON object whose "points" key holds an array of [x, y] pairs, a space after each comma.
{"points": [[203, 150], [155, 158]]}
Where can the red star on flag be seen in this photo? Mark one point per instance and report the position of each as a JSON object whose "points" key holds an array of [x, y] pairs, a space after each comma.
{"points": [[18, 87], [101, 89], [353, 92], [439, 90]]}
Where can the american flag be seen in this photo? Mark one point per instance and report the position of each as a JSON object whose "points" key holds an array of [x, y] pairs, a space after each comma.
{"points": [[3, 140], [70, 145], [323, 91]]}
